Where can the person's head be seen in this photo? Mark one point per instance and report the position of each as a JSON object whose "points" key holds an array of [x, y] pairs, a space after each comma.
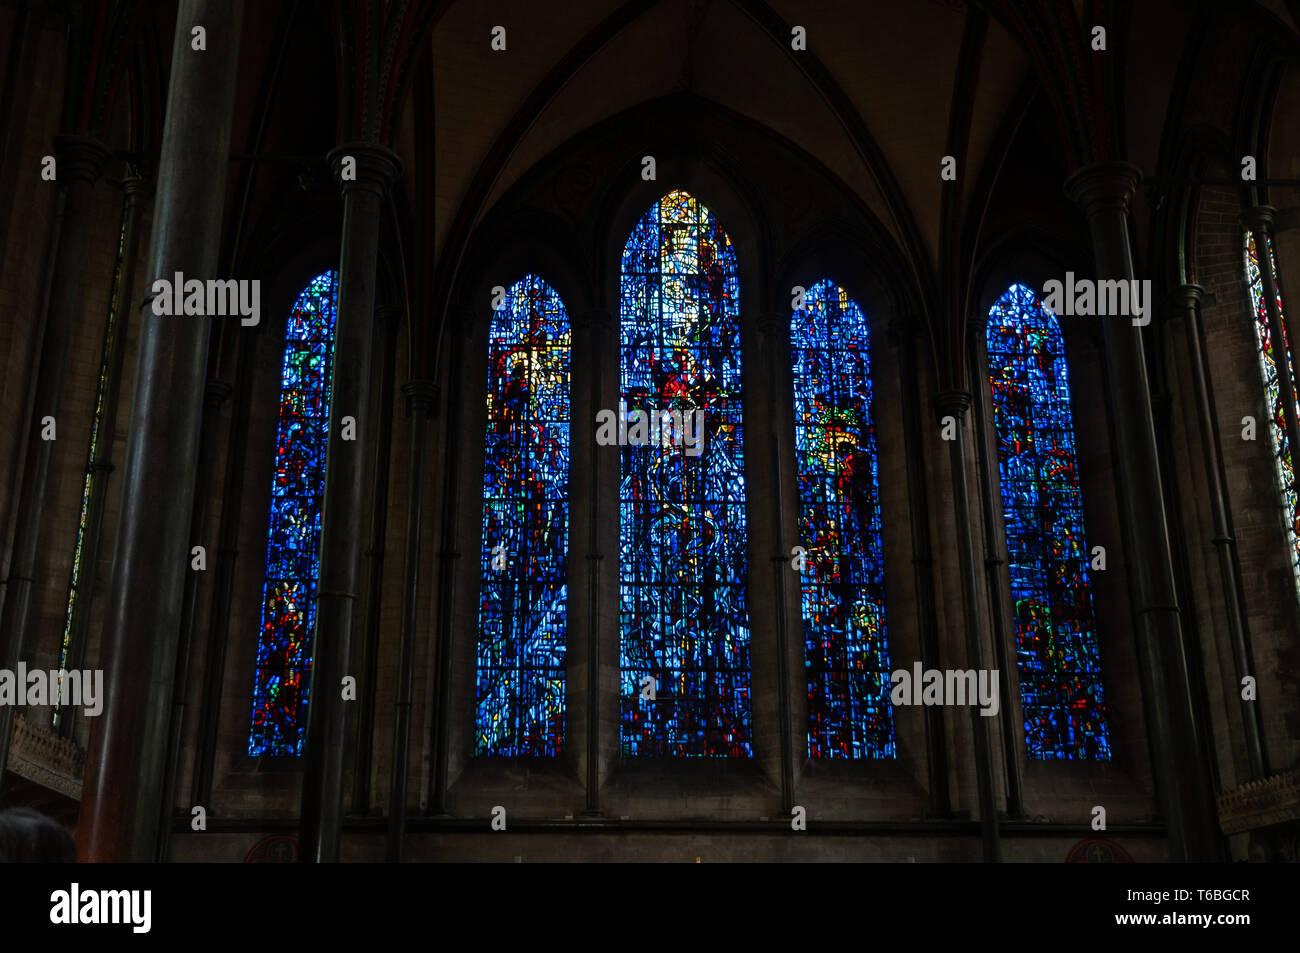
{"points": [[28, 836]]}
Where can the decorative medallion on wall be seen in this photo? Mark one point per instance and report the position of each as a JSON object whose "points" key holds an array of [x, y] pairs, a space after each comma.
{"points": [[276, 849], [1096, 850]]}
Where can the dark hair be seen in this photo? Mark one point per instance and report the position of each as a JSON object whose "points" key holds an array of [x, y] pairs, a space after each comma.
{"points": [[28, 836]]}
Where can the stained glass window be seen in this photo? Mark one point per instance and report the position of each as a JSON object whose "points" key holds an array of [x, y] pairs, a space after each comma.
{"points": [[1057, 650], [283, 677], [683, 618], [523, 595], [97, 433], [843, 582], [1268, 368]]}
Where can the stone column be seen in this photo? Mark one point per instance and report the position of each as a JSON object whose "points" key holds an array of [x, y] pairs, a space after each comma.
{"points": [[19, 81], [593, 324], [1187, 300], [223, 577], [996, 578], [902, 336], [123, 783], [10, 503], [79, 163], [387, 319], [216, 395], [1104, 191], [421, 400], [954, 404], [366, 171], [460, 333], [775, 328]]}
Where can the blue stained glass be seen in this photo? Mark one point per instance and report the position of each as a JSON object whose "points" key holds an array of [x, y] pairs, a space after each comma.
{"points": [[284, 650], [1057, 650], [1268, 369], [683, 617], [843, 586], [523, 594]]}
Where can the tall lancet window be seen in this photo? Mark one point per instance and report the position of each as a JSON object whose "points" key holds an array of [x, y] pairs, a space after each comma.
{"points": [[524, 559], [101, 433], [683, 618], [1057, 651], [284, 649], [843, 582], [1268, 369]]}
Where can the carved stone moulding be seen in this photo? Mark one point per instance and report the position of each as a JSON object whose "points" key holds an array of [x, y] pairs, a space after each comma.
{"points": [[1259, 804], [46, 759]]}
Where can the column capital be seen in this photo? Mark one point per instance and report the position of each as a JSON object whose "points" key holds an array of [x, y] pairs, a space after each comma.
{"points": [[386, 313], [597, 319], [374, 171], [952, 403], [773, 323], [1103, 187], [1185, 298], [217, 392], [421, 397], [137, 183], [81, 158], [1259, 218]]}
